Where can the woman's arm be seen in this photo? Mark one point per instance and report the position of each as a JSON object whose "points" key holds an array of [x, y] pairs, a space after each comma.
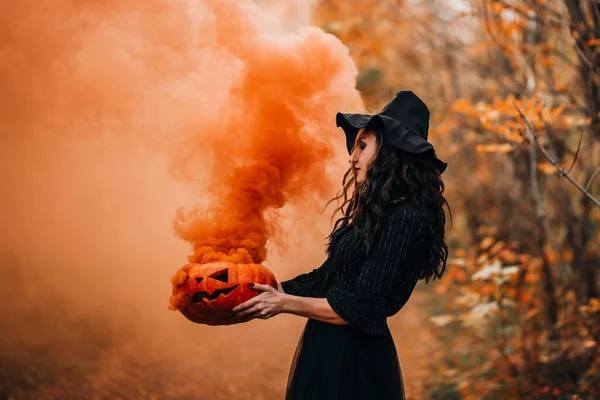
{"points": [[272, 302], [306, 284], [312, 308]]}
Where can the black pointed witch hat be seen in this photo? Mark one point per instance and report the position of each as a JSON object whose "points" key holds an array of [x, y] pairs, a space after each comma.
{"points": [[404, 123]]}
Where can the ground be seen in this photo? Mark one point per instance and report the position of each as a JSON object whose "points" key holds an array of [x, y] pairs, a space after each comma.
{"points": [[61, 355]]}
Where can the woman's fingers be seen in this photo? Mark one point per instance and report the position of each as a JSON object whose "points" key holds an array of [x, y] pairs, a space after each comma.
{"points": [[257, 307], [246, 304], [252, 301], [261, 287], [247, 311]]}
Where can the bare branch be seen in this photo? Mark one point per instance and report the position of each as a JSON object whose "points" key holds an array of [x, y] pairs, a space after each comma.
{"points": [[561, 172], [592, 178], [576, 152]]}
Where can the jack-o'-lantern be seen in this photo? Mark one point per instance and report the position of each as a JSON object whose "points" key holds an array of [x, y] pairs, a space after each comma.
{"points": [[206, 293]]}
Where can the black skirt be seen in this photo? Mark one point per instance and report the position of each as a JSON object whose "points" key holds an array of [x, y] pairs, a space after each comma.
{"points": [[341, 362]]}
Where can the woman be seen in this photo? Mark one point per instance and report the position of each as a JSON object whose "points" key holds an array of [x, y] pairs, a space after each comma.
{"points": [[391, 235]]}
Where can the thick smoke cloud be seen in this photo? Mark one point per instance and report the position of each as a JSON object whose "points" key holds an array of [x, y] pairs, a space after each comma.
{"points": [[121, 120]]}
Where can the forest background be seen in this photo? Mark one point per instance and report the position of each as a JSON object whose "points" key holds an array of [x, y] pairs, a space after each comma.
{"points": [[514, 90]]}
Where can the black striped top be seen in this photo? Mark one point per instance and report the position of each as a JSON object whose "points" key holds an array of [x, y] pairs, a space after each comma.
{"points": [[365, 291]]}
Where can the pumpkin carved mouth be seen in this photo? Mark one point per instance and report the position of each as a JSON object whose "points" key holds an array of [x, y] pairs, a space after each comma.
{"points": [[199, 296]]}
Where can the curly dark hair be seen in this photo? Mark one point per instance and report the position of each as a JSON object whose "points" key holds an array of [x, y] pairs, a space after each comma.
{"points": [[394, 176]]}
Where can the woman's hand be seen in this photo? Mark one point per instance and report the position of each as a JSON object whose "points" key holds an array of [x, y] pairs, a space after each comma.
{"points": [[266, 305]]}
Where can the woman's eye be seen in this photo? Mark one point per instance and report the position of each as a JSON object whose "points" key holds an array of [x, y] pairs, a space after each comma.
{"points": [[362, 146]]}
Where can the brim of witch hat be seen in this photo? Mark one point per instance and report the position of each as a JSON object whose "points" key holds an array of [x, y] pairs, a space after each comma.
{"points": [[395, 132]]}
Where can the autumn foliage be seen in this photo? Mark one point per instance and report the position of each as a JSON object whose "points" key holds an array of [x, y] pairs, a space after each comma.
{"points": [[515, 92]]}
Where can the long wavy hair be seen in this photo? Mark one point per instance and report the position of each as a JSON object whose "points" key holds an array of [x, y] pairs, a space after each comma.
{"points": [[393, 176]]}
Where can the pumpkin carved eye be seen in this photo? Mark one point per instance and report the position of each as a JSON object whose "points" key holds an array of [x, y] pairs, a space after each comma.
{"points": [[198, 280], [222, 275]]}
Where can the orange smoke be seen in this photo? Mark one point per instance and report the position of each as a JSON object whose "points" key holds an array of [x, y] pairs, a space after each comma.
{"points": [[252, 103], [103, 104], [270, 134]]}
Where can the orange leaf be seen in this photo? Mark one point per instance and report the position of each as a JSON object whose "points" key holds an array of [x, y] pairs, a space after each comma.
{"points": [[461, 105], [482, 258], [497, 247], [508, 257], [592, 307], [567, 255], [550, 254], [547, 168], [460, 275], [440, 289], [529, 277], [531, 313], [556, 112], [524, 298], [488, 289], [494, 148], [486, 242], [487, 125], [514, 137], [593, 42]]}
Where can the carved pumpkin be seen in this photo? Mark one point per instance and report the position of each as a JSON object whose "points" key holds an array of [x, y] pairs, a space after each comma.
{"points": [[206, 293]]}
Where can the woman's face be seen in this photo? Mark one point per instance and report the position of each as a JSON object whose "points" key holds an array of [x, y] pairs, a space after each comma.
{"points": [[365, 148]]}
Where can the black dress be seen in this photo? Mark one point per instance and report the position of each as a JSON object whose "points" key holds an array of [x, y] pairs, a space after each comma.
{"points": [[358, 361]]}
